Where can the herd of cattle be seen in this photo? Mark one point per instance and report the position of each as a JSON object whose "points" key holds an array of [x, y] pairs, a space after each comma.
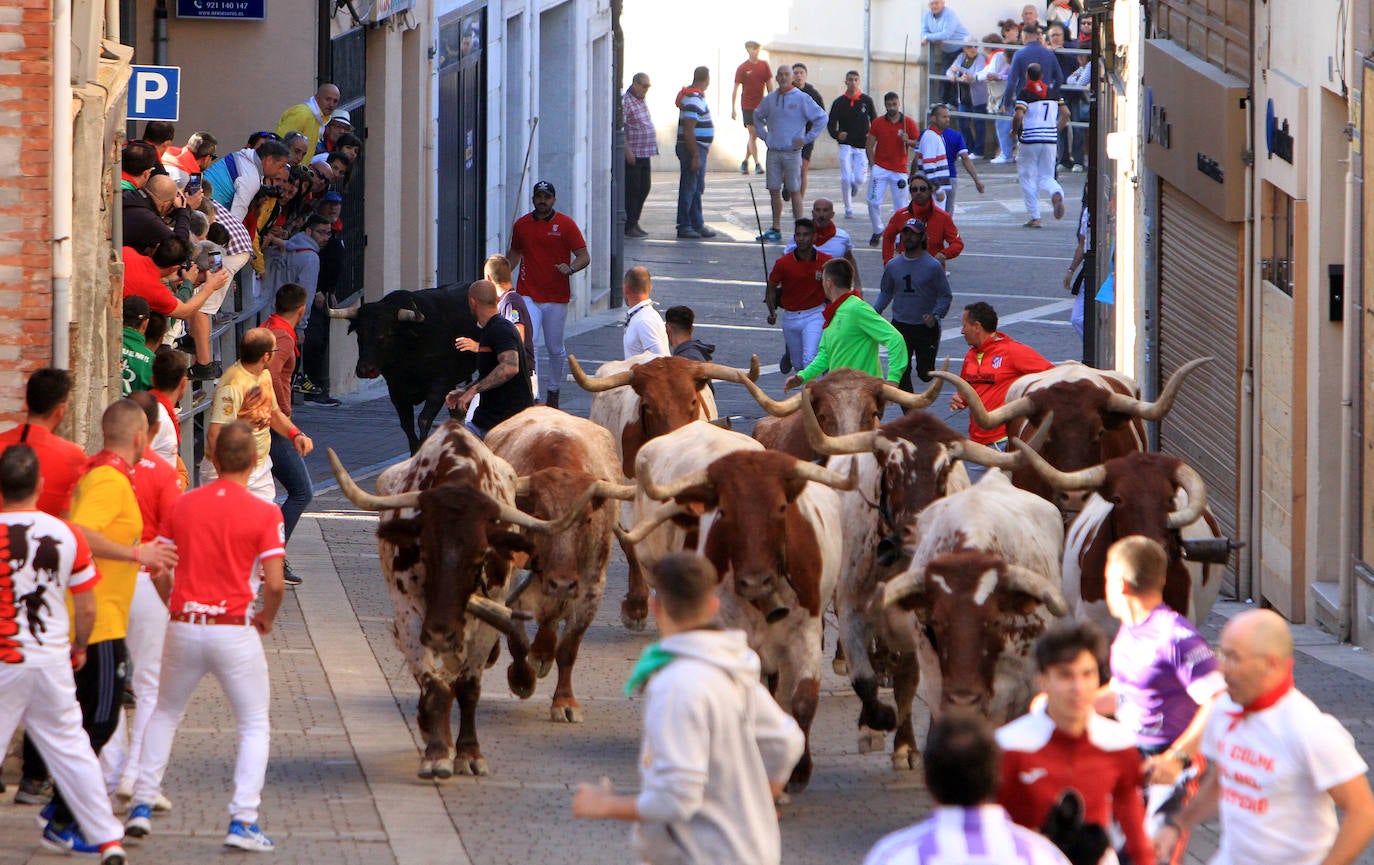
{"points": [[935, 581]]}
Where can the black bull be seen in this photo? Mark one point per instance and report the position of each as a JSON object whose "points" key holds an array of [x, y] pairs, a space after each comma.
{"points": [[407, 338]]}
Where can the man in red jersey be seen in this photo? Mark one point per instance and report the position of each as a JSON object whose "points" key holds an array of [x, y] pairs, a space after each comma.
{"points": [[994, 360], [795, 285], [230, 542], [1063, 745], [60, 461], [753, 79], [540, 245], [891, 138]]}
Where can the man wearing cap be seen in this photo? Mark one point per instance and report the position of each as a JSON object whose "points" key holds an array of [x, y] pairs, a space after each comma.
{"points": [[310, 116], [339, 123], [135, 360], [542, 241], [915, 284]]}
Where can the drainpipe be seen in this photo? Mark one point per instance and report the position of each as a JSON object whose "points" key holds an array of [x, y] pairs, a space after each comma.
{"points": [[160, 33], [868, 44], [61, 219], [1350, 405], [1247, 515], [617, 298], [112, 20]]}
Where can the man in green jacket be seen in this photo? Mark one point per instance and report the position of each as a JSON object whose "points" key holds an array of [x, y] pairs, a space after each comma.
{"points": [[853, 331], [135, 360]]}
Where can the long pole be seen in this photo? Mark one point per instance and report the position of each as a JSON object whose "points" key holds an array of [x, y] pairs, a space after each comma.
{"points": [[905, 40], [763, 252], [520, 187], [868, 44]]}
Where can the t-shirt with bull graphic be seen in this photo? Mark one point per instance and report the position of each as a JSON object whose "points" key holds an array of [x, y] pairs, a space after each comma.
{"points": [[241, 395], [43, 558]]}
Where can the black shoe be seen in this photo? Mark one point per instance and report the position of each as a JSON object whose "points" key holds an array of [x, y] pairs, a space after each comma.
{"points": [[706, 232], [322, 398], [551, 399], [635, 231], [688, 233], [185, 343], [875, 241], [204, 371], [289, 576]]}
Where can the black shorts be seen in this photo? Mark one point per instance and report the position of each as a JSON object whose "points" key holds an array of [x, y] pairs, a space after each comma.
{"points": [[806, 151], [748, 116]]}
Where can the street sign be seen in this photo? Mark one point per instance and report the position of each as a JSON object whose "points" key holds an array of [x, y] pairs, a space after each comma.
{"points": [[154, 93], [237, 10]]}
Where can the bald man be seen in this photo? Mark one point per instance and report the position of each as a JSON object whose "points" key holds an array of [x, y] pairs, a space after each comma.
{"points": [[644, 330], [147, 212], [1283, 766], [310, 116], [503, 377]]}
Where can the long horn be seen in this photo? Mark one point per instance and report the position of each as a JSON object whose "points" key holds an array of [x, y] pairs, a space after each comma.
{"points": [[821, 443], [410, 315], [519, 588], [672, 488], [993, 458], [368, 501], [1084, 479], [522, 485], [641, 531], [552, 527], [729, 373], [904, 586], [349, 312], [777, 408], [608, 490], [1160, 407], [495, 613], [981, 416], [909, 401], [599, 383], [1188, 478], [834, 480], [1023, 579]]}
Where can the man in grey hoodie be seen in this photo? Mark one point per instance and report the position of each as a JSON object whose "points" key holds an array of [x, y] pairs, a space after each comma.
{"points": [[301, 264], [914, 283], [717, 749], [678, 321]]}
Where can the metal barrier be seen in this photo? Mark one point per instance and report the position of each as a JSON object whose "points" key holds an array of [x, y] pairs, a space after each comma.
{"points": [[936, 79]]}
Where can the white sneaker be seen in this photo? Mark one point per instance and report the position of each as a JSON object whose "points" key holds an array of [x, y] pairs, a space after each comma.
{"points": [[998, 160], [1077, 168], [161, 803]]}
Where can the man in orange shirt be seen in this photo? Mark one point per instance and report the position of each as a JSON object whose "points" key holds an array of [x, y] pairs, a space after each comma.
{"points": [[890, 140], [753, 79]]}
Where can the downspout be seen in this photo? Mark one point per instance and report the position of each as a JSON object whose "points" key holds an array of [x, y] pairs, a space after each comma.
{"points": [[868, 43], [62, 162], [1247, 521], [1350, 402], [618, 145], [160, 33]]}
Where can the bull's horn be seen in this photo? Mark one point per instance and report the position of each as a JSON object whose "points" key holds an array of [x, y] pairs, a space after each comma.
{"points": [[993, 458], [1160, 407], [777, 408], [494, 613], [1023, 579], [1084, 479], [368, 501], [1191, 482], [834, 480], [410, 315], [349, 312], [519, 588], [729, 373], [672, 488], [987, 420], [821, 443], [608, 490], [599, 383], [641, 531], [909, 401], [522, 485], [552, 527], [904, 586]]}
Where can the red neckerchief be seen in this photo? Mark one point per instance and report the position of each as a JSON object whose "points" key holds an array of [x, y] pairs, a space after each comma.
{"points": [[853, 100], [129, 177], [833, 306], [823, 235], [171, 412], [687, 91], [111, 459], [276, 322], [924, 213], [1265, 700]]}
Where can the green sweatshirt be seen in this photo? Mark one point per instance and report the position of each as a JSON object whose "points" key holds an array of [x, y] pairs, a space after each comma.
{"points": [[136, 362], [851, 340]]}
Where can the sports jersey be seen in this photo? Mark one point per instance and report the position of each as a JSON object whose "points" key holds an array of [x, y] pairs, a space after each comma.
{"points": [[981, 835], [1275, 766], [156, 487], [799, 282], [104, 501], [1162, 670], [691, 104], [1040, 123], [60, 462], [223, 534], [889, 152], [242, 395], [45, 558], [543, 244], [1039, 761], [991, 368], [135, 363], [752, 76], [934, 159]]}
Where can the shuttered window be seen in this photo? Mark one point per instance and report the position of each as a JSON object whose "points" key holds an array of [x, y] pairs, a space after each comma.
{"points": [[1218, 31]]}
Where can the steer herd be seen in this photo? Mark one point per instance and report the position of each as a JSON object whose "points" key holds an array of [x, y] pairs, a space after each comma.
{"points": [[936, 581]]}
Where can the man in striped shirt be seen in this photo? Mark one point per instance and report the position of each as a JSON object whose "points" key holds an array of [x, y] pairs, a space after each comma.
{"points": [[1036, 125], [962, 769], [695, 133]]}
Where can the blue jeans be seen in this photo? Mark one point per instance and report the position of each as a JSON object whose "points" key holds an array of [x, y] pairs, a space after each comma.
{"points": [[289, 470], [690, 186]]}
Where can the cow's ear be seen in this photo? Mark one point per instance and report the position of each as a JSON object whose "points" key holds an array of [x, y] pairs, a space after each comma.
{"points": [[1115, 420], [631, 440], [698, 499], [511, 546], [792, 488], [402, 530]]}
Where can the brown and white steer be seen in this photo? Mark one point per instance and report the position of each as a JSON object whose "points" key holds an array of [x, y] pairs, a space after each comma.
{"points": [[982, 586], [447, 558], [770, 524], [1098, 416], [558, 456], [638, 400], [845, 401], [1151, 494]]}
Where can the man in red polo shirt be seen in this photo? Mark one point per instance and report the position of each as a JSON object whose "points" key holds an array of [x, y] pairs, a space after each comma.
{"points": [[890, 140], [541, 243], [753, 78], [993, 362], [795, 285]]}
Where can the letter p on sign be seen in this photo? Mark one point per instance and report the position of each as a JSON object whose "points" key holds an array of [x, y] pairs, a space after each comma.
{"points": [[154, 93]]}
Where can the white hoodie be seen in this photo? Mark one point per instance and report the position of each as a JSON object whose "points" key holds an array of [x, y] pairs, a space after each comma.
{"points": [[713, 738]]}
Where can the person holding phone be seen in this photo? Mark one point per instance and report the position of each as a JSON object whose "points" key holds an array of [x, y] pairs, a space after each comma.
{"points": [[155, 212]]}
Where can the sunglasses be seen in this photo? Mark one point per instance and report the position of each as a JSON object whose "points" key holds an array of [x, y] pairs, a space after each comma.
{"points": [[270, 136]]}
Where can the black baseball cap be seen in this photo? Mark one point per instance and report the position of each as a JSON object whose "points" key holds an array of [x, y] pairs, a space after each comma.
{"points": [[543, 187], [136, 310]]}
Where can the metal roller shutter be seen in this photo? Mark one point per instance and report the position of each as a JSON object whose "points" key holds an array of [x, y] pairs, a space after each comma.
{"points": [[1200, 314]]}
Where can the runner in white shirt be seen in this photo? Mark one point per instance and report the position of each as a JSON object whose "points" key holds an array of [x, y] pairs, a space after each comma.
{"points": [[830, 238], [644, 330], [1283, 766]]}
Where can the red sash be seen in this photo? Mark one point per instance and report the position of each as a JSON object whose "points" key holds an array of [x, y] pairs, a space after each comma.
{"points": [[1263, 701]]}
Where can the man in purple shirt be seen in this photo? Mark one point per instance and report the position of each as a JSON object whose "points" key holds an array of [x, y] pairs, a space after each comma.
{"points": [[1165, 678]]}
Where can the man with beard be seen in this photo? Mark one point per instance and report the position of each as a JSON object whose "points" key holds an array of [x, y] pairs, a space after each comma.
{"points": [[915, 284]]}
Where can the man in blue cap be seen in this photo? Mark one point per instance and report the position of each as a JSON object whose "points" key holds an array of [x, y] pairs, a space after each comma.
{"points": [[914, 283]]}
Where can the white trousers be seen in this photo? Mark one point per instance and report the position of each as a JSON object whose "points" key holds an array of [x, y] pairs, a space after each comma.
{"points": [[853, 173], [549, 321], [881, 180], [801, 330], [1078, 308], [147, 631], [43, 699], [1035, 170], [260, 482], [232, 654]]}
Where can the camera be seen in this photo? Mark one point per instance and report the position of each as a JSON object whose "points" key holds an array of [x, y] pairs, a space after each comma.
{"points": [[216, 261], [193, 185], [271, 191]]}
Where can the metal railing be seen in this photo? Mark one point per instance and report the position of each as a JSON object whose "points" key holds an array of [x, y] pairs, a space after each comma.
{"points": [[936, 79]]}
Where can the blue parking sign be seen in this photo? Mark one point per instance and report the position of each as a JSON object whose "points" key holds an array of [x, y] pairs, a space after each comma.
{"points": [[155, 93]]}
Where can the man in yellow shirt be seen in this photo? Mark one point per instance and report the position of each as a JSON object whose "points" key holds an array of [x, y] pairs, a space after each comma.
{"points": [[106, 512], [310, 116]]}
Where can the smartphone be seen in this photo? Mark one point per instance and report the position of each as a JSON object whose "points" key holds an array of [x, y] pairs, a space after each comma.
{"points": [[216, 261], [193, 185]]}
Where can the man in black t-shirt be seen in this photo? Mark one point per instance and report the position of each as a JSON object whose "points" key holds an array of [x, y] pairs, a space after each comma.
{"points": [[503, 378]]}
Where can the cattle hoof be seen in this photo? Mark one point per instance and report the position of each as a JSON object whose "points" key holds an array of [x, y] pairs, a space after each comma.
{"points": [[905, 758], [634, 613], [566, 714], [472, 766], [841, 667], [520, 677], [542, 665], [442, 768], [871, 741], [801, 776]]}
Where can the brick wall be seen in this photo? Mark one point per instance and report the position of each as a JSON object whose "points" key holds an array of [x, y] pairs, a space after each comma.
{"points": [[25, 184]]}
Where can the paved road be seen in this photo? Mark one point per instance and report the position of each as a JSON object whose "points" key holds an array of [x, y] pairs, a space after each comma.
{"points": [[341, 785]]}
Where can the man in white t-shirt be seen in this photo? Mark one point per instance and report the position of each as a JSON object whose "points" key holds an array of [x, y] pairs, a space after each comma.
{"points": [[644, 331], [1283, 766]]}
